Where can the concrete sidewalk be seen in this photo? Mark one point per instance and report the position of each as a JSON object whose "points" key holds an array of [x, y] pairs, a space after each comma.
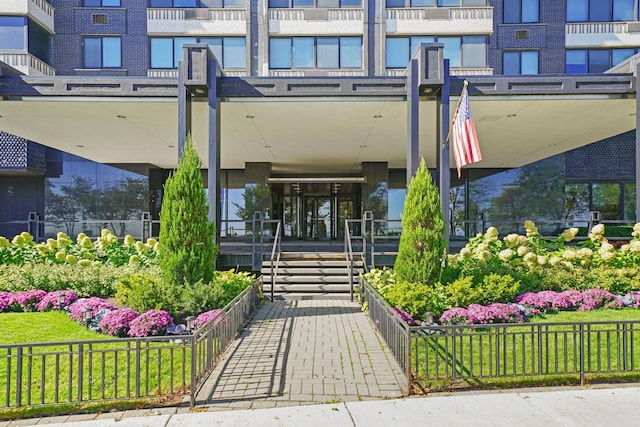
{"points": [[525, 408]]}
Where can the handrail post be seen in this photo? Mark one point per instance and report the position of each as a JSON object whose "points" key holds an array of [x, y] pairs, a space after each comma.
{"points": [[582, 368], [80, 371]]}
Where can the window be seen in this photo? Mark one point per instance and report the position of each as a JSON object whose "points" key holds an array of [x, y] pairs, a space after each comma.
{"points": [[465, 51], [102, 52], [315, 52], [101, 3], [13, 33], [166, 52], [600, 10], [173, 3], [279, 4], [521, 11], [434, 3], [520, 62], [583, 61]]}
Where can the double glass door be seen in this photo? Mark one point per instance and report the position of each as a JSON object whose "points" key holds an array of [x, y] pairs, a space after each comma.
{"points": [[317, 213]]}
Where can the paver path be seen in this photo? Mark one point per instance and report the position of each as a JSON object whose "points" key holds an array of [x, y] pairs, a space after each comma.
{"points": [[302, 352]]}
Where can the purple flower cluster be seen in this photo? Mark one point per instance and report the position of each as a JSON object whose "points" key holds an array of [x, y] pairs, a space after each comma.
{"points": [[153, 322], [118, 322], [406, 317], [6, 301], [550, 301], [207, 316], [50, 301], [94, 303], [29, 300], [477, 314]]}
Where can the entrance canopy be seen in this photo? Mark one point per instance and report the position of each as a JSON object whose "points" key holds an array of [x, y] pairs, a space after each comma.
{"points": [[320, 125]]}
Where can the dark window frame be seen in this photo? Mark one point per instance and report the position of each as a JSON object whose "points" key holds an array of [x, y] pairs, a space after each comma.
{"points": [[315, 53], [101, 38]]}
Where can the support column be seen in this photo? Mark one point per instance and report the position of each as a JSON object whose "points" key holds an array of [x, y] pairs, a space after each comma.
{"points": [[637, 143], [184, 108], [213, 183], [443, 151], [413, 109]]}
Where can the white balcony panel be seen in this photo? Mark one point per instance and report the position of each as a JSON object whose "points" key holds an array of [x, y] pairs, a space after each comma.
{"points": [[315, 73], [27, 64], [601, 34], [316, 22], [440, 21], [210, 22], [174, 73], [38, 10], [480, 71]]}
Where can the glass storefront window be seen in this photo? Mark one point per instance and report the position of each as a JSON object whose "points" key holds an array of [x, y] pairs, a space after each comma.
{"points": [[606, 200], [630, 202]]}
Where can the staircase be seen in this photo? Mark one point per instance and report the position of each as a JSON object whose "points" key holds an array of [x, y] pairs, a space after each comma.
{"points": [[311, 275]]}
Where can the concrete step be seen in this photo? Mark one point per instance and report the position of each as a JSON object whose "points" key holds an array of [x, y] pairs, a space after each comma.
{"points": [[311, 263], [315, 271], [307, 287], [328, 256], [298, 296], [309, 279]]}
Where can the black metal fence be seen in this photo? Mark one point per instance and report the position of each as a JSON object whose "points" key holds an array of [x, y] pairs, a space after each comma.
{"points": [[445, 355], [38, 374]]}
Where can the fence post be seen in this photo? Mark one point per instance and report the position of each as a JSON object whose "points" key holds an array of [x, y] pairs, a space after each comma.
{"points": [[408, 360], [582, 355], [80, 363], [18, 377], [193, 371], [138, 370]]}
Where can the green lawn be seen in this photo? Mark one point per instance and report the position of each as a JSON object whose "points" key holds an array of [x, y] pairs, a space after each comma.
{"points": [[537, 352], [50, 326], [38, 373]]}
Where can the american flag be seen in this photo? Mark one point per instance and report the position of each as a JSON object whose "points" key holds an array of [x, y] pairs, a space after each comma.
{"points": [[466, 148]]}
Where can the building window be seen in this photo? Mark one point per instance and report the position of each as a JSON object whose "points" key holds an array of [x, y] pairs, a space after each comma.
{"points": [[315, 52], [101, 3], [520, 62], [280, 4], [435, 3], [13, 33], [166, 52], [600, 10], [102, 52], [465, 51], [173, 3], [583, 61], [521, 11]]}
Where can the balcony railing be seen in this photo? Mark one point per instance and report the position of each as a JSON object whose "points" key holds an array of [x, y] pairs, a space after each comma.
{"points": [[453, 13], [39, 10], [597, 28], [27, 64], [454, 20], [204, 14], [221, 22]]}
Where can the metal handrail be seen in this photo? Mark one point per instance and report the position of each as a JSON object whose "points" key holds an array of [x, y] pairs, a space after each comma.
{"points": [[276, 250], [348, 252]]}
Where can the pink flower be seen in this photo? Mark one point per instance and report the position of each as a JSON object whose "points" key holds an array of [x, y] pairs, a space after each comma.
{"points": [[29, 300], [207, 316], [50, 301], [117, 322], [95, 304], [153, 322]]}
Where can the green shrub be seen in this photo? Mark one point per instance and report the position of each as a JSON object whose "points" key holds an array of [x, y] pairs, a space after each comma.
{"points": [[187, 238], [201, 297], [422, 244], [462, 292], [498, 288], [417, 298], [94, 280], [143, 292]]}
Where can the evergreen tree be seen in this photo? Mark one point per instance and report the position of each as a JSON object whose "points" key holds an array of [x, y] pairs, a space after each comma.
{"points": [[422, 243], [187, 237]]}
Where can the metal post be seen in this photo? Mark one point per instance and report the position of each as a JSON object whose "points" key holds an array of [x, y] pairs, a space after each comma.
{"points": [[193, 371], [184, 108], [214, 146], [637, 143], [445, 174], [413, 110]]}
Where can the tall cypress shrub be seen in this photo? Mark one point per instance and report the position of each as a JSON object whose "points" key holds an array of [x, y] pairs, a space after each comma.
{"points": [[187, 237], [422, 242]]}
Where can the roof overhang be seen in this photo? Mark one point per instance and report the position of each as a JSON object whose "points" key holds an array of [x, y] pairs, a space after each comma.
{"points": [[313, 125]]}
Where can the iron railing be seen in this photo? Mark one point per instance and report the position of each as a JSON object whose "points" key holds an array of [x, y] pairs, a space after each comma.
{"points": [[443, 355], [39, 374], [274, 260]]}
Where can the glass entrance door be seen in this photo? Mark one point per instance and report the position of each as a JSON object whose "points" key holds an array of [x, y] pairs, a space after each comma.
{"points": [[318, 221]]}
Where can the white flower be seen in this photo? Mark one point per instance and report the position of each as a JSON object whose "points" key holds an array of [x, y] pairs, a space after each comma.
{"points": [[569, 234], [608, 256], [555, 260], [598, 229], [568, 254], [511, 240], [505, 255], [465, 253], [491, 235], [523, 250], [585, 253], [531, 258], [484, 256], [542, 260], [606, 247]]}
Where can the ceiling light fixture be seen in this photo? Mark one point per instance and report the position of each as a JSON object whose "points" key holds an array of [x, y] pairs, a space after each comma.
{"points": [[249, 116], [120, 116], [80, 146], [377, 116]]}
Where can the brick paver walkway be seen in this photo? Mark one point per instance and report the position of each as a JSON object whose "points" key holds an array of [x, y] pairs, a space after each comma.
{"points": [[302, 352]]}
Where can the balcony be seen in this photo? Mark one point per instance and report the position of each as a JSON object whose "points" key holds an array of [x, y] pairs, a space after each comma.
{"points": [[173, 74], [456, 71], [212, 22], [316, 73], [440, 20], [610, 34], [317, 22], [38, 10], [27, 64]]}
